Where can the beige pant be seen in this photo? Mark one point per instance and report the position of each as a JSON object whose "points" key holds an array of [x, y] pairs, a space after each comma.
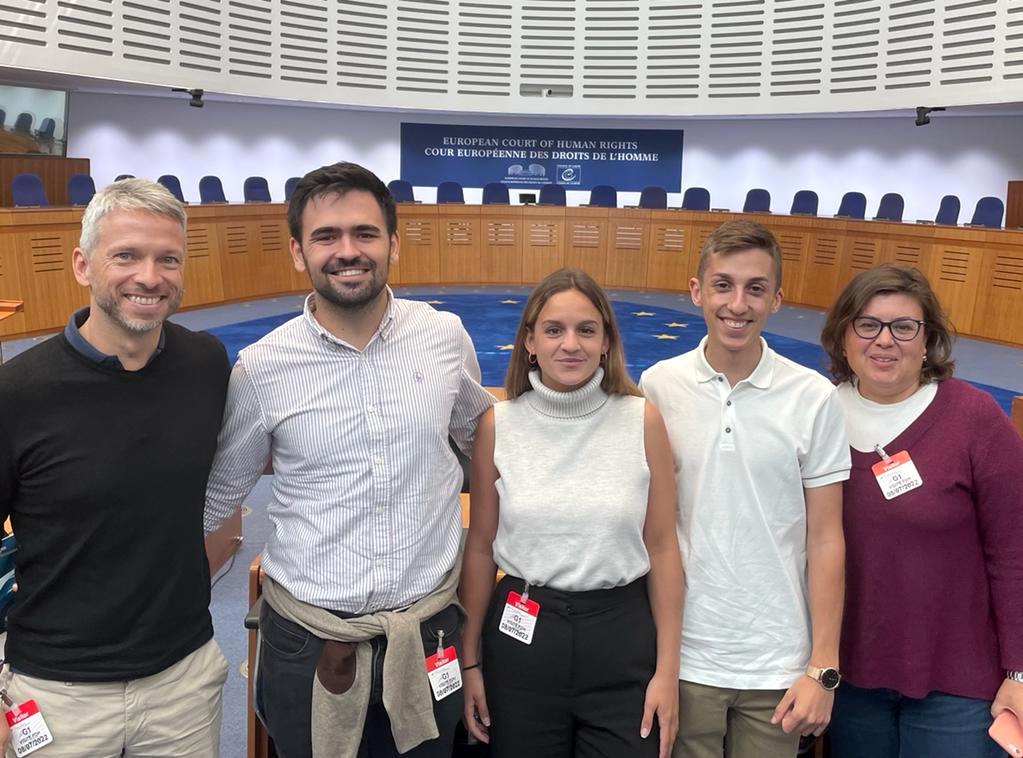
{"points": [[716, 721], [172, 714]]}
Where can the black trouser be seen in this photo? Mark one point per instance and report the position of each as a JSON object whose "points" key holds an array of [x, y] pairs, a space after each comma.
{"points": [[288, 655], [577, 690]]}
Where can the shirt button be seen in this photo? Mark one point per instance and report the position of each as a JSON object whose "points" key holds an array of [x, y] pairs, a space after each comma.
{"points": [[728, 430], [377, 460], [721, 378], [371, 408], [728, 402]]}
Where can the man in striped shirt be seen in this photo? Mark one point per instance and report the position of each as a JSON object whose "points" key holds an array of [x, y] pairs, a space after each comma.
{"points": [[353, 403]]}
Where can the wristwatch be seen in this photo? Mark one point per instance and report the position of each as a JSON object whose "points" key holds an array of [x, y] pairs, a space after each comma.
{"points": [[1016, 676], [827, 677]]}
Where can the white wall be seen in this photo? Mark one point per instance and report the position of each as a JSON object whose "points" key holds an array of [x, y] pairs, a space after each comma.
{"points": [[968, 156]]}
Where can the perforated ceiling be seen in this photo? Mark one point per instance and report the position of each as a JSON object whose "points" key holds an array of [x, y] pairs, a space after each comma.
{"points": [[618, 57]]}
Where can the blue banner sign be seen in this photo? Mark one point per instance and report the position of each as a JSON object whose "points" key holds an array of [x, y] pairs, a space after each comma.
{"points": [[523, 157]]}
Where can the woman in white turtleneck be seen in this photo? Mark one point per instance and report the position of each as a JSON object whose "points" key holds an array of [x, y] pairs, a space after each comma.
{"points": [[573, 498]]}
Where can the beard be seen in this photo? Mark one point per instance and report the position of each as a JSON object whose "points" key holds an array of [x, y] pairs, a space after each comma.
{"points": [[348, 297], [111, 307]]}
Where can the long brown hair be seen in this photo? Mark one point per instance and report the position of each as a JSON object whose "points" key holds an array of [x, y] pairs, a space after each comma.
{"points": [[890, 278], [616, 378]]}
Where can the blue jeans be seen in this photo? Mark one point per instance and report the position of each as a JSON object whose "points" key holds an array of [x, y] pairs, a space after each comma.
{"points": [[884, 724]]}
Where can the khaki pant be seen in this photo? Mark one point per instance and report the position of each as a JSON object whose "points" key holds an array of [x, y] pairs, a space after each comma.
{"points": [[717, 721], [172, 714]]}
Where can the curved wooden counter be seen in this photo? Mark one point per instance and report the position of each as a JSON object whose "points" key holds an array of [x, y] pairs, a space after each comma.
{"points": [[240, 251]]}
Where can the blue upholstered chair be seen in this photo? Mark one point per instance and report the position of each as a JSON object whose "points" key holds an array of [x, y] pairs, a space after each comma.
{"points": [[173, 185], [292, 181], [696, 199], [450, 192], [757, 201], [23, 123], [80, 189], [890, 208], [121, 177], [853, 205], [256, 190], [401, 191], [804, 203], [948, 211], [655, 198], [552, 194], [988, 213], [46, 129], [495, 193], [27, 190], [604, 196], [211, 190]]}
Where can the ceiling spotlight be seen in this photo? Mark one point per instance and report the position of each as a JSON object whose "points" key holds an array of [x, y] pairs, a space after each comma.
{"points": [[922, 119], [196, 101]]}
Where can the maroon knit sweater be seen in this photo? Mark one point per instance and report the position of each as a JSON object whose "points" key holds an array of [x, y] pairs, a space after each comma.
{"points": [[934, 578]]}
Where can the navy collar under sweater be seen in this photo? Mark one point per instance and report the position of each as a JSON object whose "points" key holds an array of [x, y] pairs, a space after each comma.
{"points": [[588, 399], [73, 334]]}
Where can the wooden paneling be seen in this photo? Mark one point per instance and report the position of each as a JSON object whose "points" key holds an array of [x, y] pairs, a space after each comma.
{"points": [[627, 248], [53, 170], [1014, 205], [501, 244], [668, 260], [999, 313], [586, 240], [543, 242], [419, 237], [460, 244], [241, 251]]}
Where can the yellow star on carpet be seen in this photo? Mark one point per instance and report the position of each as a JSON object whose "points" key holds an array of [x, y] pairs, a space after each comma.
{"points": [[505, 347], [642, 313], [510, 302], [676, 325], [435, 302], [665, 336]]}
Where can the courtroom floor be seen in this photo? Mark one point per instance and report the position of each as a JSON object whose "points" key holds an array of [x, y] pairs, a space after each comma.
{"points": [[978, 361]]}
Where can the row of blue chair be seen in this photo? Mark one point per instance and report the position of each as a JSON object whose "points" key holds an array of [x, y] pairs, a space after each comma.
{"points": [[27, 189], [988, 213], [23, 123]]}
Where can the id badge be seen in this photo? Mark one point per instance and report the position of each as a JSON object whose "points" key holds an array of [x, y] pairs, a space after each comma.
{"points": [[519, 618], [444, 673], [897, 475], [28, 729]]}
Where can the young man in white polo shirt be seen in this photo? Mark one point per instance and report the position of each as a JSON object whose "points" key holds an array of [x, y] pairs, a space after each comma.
{"points": [[761, 452]]}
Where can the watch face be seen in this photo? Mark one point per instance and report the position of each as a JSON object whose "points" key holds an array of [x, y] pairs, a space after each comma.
{"points": [[830, 678]]}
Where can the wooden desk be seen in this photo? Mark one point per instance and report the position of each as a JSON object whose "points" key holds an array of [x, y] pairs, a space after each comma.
{"points": [[240, 251]]}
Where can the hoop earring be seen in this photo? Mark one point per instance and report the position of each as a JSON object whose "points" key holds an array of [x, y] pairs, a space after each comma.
{"points": [[532, 359]]}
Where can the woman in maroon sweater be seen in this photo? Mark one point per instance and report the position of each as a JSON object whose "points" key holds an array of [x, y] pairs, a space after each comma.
{"points": [[932, 642]]}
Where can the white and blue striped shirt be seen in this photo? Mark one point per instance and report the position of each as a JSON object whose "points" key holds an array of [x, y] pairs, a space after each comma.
{"points": [[364, 507]]}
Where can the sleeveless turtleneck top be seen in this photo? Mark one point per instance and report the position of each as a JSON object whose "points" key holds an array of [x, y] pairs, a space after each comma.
{"points": [[573, 483]]}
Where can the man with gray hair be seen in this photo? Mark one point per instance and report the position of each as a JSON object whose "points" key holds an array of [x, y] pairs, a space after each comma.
{"points": [[106, 439]]}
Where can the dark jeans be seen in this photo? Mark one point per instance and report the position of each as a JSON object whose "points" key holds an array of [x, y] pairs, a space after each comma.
{"points": [[880, 723], [577, 691], [284, 685]]}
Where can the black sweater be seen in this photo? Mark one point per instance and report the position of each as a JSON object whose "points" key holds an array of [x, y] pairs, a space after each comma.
{"points": [[103, 473]]}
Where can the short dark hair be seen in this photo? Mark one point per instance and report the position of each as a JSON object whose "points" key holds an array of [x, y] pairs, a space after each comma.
{"points": [[736, 236], [616, 376], [885, 279], [337, 179]]}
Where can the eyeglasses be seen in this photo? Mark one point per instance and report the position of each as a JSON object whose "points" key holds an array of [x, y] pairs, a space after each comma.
{"points": [[902, 329]]}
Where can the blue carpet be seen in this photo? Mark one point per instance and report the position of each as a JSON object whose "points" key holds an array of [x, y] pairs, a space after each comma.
{"points": [[650, 334]]}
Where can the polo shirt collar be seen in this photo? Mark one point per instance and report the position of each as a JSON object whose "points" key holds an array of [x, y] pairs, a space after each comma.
{"points": [[73, 334], [384, 330], [760, 378]]}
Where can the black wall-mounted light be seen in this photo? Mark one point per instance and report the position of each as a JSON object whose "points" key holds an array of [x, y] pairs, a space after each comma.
{"points": [[922, 117], [196, 101]]}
